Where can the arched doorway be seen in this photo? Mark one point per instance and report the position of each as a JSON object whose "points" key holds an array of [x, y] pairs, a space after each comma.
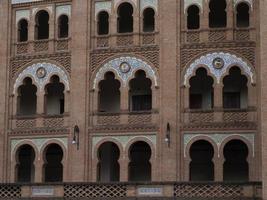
{"points": [[108, 166], [53, 168], [235, 167], [25, 164], [139, 166], [201, 165]]}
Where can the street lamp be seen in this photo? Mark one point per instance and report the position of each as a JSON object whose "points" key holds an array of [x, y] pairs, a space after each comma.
{"points": [[168, 136], [75, 139]]}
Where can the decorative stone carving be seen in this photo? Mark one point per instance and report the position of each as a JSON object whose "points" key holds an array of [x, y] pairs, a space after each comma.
{"points": [[22, 14], [63, 10], [23, 1], [249, 2], [218, 63], [198, 3], [38, 142], [219, 138], [228, 59], [134, 65], [116, 2], [148, 3], [36, 9], [100, 6], [123, 140], [41, 73]]}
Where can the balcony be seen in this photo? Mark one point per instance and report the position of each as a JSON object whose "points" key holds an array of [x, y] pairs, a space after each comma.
{"points": [[42, 46], [125, 40], [129, 119], [176, 190], [236, 117], [218, 35], [39, 121]]}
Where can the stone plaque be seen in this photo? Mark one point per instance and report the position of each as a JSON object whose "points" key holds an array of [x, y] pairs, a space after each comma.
{"points": [[150, 191], [42, 191]]}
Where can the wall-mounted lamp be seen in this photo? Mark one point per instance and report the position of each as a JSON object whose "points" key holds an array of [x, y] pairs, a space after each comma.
{"points": [[168, 137], [76, 132]]}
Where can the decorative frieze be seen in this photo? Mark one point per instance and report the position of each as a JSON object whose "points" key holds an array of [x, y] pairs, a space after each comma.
{"points": [[249, 2], [218, 139], [124, 140], [41, 74], [211, 62], [100, 6], [149, 3], [23, 1], [22, 14], [63, 10], [37, 142], [118, 65], [188, 3]]}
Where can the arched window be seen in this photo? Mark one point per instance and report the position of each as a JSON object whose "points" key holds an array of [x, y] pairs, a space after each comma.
{"points": [[193, 17], [242, 15], [54, 97], [103, 23], [201, 165], [23, 30], [63, 26], [235, 167], [140, 94], [109, 94], [235, 89], [201, 90], [53, 168], [139, 166], [217, 15], [108, 166], [27, 98], [148, 20], [25, 167], [42, 25], [125, 18]]}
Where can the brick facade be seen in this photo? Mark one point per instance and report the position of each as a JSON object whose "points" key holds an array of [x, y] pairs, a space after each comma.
{"points": [[170, 56]]}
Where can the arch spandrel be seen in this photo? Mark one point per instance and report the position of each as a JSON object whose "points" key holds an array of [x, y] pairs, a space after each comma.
{"points": [[228, 60], [41, 74], [125, 67]]}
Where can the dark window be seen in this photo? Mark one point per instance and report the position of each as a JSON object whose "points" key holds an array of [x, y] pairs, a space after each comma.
{"points": [[109, 94], [217, 15], [103, 23], [201, 90], [235, 167], [195, 101], [63, 26], [54, 96], [141, 102], [149, 20], [27, 98], [23, 30], [140, 94], [201, 165], [139, 166], [25, 164], [242, 15], [42, 25], [53, 166], [125, 18], [235, 89], [193, 17], [231, 99], [108, 165]]}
